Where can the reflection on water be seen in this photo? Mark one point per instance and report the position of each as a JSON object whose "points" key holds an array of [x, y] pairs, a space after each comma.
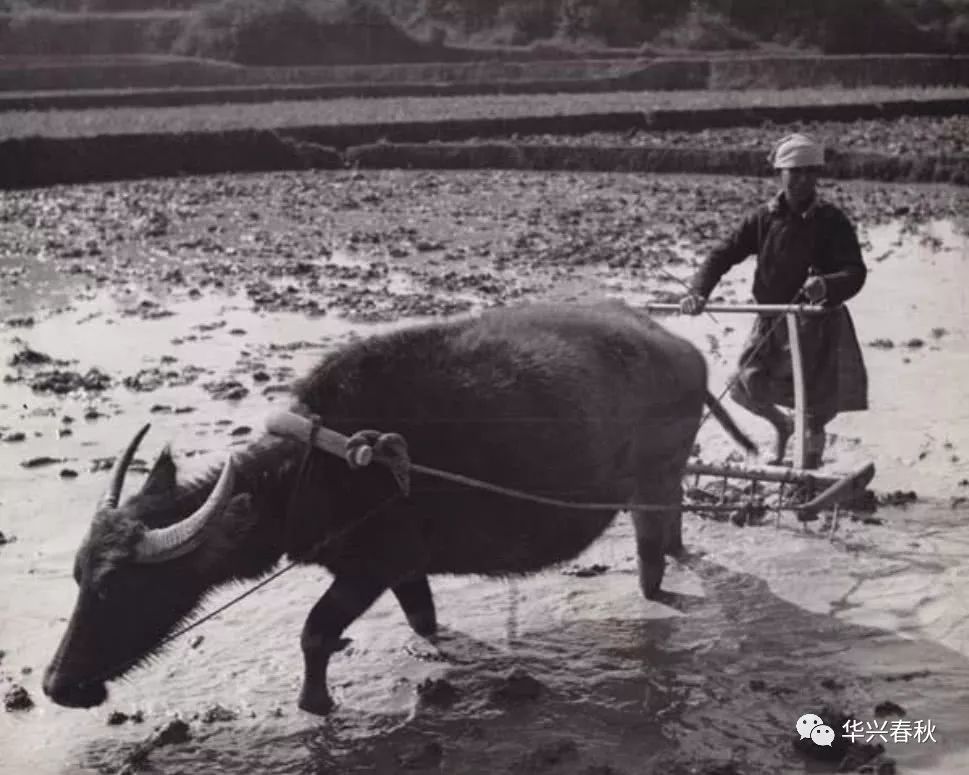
{"points": [[767, 625]]}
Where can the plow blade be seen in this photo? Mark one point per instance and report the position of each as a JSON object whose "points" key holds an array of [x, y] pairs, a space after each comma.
{"points": [[846, 487]]}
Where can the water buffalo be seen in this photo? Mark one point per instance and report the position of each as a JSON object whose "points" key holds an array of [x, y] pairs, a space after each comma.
{"points": [[589, 403]]}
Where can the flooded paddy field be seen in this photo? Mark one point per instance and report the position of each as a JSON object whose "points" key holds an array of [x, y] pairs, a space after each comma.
{"points": [[194, 303]]}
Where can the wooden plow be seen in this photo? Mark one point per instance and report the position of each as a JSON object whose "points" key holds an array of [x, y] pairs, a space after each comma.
{"points": [[777, 487]]}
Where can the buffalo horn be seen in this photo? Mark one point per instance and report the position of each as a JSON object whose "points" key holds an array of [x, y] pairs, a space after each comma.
{"points": [[160, 544], [113, 494]]}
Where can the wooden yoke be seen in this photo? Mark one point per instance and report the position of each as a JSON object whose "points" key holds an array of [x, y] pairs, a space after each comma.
{"points": [[299, 428]]}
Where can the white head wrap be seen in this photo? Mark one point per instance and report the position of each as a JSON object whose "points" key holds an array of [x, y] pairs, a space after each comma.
{"points": [[797, 150]]}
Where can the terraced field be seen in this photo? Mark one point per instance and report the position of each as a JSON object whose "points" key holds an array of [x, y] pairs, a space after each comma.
{"points": [[279, 115]]}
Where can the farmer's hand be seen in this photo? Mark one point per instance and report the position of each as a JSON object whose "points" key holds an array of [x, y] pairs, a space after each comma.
{"points": [[692, 304], [815, 289]]}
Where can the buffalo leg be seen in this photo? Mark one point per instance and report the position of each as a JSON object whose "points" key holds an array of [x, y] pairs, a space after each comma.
{"points": [[658, 533], [673, 524], [649, 548], [345, 600], [415, 598]]}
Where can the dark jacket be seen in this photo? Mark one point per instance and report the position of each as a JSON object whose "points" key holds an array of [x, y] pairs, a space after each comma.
{"points": [[789, 247]]}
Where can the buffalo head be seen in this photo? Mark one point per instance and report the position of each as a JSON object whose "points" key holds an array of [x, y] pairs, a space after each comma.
{"points": [[145, 564]]}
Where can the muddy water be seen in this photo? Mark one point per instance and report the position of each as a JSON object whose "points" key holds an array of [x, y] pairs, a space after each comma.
{"points": [[761, 625]]}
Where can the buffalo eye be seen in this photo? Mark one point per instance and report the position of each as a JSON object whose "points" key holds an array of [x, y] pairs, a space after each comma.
{"points": [[107, 584]]}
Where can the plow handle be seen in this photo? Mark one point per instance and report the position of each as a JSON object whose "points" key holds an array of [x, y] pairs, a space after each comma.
{"points": [[776, 309]]}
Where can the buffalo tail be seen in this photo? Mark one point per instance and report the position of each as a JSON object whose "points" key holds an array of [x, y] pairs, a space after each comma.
{"points": [[717, 410]]}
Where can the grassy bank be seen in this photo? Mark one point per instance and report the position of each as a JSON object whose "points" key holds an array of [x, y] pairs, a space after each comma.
{"points": [[483, 76], [430, 118], [36, 162], [593, 158]]}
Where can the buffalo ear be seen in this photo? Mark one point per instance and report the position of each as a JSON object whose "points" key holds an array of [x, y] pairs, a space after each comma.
{"points": [[161, 479]]}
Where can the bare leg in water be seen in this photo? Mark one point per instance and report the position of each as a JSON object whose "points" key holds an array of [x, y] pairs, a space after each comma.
{"points": [[750, 392], [814, 447]]}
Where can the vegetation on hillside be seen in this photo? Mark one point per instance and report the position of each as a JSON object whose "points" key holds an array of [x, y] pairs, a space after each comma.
{"points": [[290, 32], [295, 32], [828, 26], [333, 31]]}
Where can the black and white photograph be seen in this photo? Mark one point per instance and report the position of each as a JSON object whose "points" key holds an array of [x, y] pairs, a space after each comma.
{"points": [[465, 387]]}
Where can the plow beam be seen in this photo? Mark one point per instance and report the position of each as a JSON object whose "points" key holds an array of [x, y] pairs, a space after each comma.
{"points": [[837, 487], [779, 474]]}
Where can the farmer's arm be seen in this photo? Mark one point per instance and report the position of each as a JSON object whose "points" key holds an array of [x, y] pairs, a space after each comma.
{"points": [[735, 248], [841, 263]]}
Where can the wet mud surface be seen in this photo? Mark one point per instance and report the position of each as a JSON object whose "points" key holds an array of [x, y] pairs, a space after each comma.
{"points": [[194, 303]]}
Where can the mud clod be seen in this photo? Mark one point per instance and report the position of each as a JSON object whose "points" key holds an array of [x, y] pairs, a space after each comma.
{"points": [[908, 676], [218, 713], [437, 692], [16, 436], [517, 687], [174, 732], [40, 462], [117, 717], [424, 756], [898, 498], [586, 571], [889, 708], [17, 698], [61, 381], [227, 390], [550, 755], [727, 768], [29, 357], [5, 540]]}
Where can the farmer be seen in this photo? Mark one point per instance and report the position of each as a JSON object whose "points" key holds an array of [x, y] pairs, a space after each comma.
{"points": [[807, 251]]}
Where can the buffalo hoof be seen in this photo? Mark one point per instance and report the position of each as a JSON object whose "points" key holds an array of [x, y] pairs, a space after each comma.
{"points": [[316, 702], [423, 623], [676, 550], [651, 578]]}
